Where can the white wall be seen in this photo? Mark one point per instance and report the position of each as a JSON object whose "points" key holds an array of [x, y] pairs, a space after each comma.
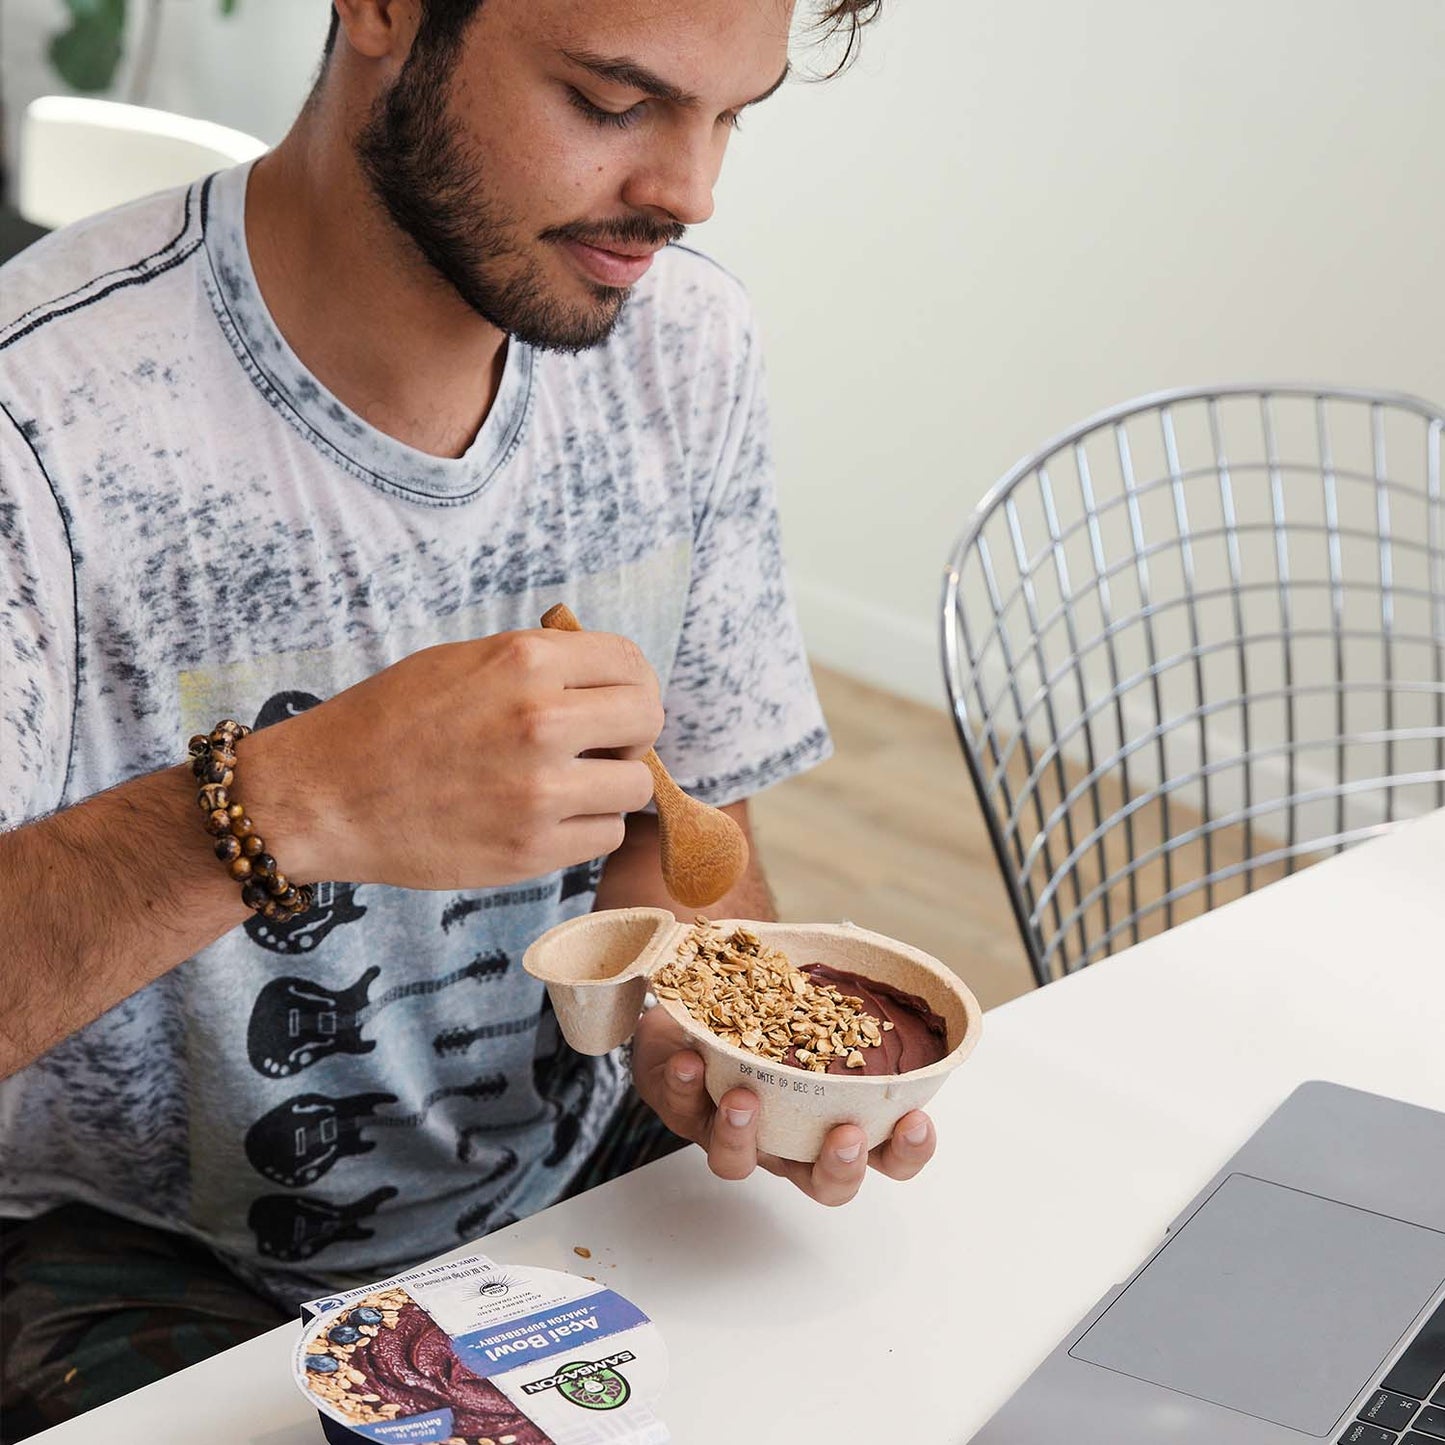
{"points": [[1011, 215], [250, 70]]}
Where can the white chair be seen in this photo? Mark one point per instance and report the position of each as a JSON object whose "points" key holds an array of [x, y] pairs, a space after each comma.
{"points": [[79, 156], [1197, 641]]}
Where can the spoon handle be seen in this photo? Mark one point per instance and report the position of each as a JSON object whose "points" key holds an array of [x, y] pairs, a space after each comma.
{"points": [[560, 619]]}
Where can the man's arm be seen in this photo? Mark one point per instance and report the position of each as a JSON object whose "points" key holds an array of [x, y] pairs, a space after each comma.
{"points": [[102, 898], [669, 1075], [99, 900]]}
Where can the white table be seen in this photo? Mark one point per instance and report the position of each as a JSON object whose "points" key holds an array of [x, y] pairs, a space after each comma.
{"points": [[1090, 1114]]}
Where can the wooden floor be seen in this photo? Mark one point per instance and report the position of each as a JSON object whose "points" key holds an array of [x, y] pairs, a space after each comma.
{"points": [[887, 833]]}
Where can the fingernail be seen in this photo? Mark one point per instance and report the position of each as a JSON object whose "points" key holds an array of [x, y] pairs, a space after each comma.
{"points": [[685, 1073], [849, 1154], [916, 1135], [739, 1118]]}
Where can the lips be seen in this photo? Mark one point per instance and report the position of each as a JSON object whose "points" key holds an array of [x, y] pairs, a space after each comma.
{"points": [[607, 267]]}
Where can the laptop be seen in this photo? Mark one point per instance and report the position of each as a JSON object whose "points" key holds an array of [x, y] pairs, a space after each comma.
{"points": [[1299, 1298]]}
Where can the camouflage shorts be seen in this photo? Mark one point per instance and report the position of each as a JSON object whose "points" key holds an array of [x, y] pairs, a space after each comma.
{"points": [[92, 1307]]}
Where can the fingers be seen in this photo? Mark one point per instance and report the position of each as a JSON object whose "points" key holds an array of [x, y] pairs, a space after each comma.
{"points": [[839, 1171], [669, 1076], [578, 840], [596, 719], [909, 1149], [593, 786], [732, 1149], [680, 1099], [837, 1174], [597, 659]]}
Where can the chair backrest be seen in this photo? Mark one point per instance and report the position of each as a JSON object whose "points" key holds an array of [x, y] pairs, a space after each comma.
{"points": [[1196, 642], [79, 156]]}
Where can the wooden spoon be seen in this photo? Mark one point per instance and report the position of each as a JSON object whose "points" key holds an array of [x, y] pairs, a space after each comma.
{"points": [[704, 851]]}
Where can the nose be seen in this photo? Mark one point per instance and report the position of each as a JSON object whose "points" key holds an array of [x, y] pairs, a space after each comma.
{"points": [[677, 176]]}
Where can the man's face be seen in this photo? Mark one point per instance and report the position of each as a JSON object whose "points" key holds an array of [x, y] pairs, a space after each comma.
{"points": [[540, 162]]}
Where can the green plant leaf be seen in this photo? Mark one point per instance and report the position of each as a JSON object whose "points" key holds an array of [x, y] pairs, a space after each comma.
{"points": [[86, 54], [90, 9]]}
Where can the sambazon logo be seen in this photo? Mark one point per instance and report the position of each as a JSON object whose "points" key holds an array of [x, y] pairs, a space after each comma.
{"points": [[594, 1385]]}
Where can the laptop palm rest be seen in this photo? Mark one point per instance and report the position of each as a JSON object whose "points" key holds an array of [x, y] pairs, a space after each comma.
{"points": [[1271, 1301]]}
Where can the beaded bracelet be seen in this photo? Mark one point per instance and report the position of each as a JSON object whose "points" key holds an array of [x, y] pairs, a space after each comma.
{"points": [[264, 887]]}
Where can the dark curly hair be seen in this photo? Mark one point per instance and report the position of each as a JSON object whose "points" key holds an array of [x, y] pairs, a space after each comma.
{"points": [[443, 22]]}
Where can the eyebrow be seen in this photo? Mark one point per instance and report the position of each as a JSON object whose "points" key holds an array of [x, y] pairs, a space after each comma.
{"points": [[621, 70]]}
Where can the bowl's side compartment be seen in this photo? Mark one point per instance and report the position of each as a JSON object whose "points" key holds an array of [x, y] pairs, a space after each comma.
{"points": [[595, 969]]}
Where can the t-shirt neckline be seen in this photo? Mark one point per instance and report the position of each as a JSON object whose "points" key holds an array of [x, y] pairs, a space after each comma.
{"points": [[291, 388]]}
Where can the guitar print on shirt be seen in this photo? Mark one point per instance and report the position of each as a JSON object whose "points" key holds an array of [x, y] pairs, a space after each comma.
{"points": [[485, 1216], [565, 1082], [295, 1021], [299, 1140], [297, 1226], [581, 880], [333, 905]]}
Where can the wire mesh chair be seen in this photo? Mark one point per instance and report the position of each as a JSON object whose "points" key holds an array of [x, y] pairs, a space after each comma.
{"points": [[1195, 643]]}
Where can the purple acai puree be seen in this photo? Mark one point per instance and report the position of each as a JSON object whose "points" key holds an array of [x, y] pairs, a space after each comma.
{"points": [[919, 1037], [412, 1364]]}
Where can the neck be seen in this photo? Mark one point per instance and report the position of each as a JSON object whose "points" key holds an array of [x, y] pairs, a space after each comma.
{"points": [[357, 302]]}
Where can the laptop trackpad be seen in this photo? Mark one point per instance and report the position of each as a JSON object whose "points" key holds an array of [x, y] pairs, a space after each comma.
{"points": [[1272, 1302]]}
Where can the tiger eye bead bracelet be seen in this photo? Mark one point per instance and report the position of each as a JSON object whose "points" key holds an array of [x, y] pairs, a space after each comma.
{"points": [[264, 887]]}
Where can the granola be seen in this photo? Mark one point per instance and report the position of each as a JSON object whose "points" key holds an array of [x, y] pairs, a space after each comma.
{"points": [[753, 997]]}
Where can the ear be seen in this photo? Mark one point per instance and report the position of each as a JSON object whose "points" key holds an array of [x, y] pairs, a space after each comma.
{"points": [[378, 29]]}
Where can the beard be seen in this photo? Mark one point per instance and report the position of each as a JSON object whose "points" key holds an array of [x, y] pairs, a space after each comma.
{"points": [[434, 188]]}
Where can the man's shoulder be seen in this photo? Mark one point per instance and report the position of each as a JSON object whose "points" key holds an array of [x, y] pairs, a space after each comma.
{"points": [[72, 271]]}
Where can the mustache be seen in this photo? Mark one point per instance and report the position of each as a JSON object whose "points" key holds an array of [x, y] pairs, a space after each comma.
{"points": [[629, 231]]}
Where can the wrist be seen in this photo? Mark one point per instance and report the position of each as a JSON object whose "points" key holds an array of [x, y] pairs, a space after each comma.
{"points": [[273, 786], [164, 804]]}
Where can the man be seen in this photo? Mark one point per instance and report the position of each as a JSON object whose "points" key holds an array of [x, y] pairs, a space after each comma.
{"points": [[313, 444]]}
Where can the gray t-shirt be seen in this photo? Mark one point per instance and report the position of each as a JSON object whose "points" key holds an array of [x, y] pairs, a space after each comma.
{"points": [[192, 527]]}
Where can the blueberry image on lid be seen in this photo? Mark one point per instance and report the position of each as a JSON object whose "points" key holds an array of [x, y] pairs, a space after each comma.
{"points": [[364, 1316], [323, 1364], [344, 1335]]}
